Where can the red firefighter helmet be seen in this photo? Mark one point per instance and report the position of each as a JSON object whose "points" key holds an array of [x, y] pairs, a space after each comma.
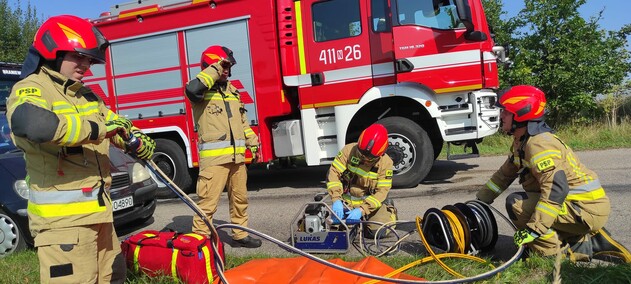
{"points": [[216, 53], [524, 102], [70, 33], [373, 141]]}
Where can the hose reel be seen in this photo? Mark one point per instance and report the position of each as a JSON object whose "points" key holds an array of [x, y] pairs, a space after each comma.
{"points": [[461, 228]]}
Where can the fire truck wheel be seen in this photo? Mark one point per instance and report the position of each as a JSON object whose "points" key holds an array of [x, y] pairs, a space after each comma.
{"points": [[411, 151], [170, 158]]}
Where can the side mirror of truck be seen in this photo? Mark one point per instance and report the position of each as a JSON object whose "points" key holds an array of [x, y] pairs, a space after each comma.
{"points": [[464, 15]]}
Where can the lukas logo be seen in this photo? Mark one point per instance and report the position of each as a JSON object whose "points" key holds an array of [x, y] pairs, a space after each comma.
{"points": [[310, 239]]}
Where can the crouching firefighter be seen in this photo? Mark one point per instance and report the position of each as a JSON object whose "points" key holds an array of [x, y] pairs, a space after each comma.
{"points": [[65, 132], [360, 178], [564, 202]]}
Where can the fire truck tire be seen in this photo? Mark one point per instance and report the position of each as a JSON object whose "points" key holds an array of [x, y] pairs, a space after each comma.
{"points": [[411, 151], [170, 158]]}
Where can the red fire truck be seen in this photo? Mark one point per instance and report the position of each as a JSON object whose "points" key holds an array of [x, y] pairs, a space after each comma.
{"points": [[312, 73]]}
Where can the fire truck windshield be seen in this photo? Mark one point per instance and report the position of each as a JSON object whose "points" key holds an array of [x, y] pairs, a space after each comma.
{"points": [[426, 13]]}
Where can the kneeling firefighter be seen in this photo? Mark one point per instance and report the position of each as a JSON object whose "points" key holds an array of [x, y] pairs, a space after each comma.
{"points": [[563, 202], [360, 177]]}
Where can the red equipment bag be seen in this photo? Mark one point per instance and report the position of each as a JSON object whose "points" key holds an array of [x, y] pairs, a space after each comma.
{"points": [[188, 257]]}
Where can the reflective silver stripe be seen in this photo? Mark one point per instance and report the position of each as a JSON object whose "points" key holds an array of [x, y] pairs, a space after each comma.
{"points": [[59, 197], [354, 198], [362, 173], [374, 201], [590, 186], [338, 165], [493, 187], [220, 145]]}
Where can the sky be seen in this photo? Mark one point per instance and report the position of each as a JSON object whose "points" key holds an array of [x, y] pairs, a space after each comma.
{"points": [[615, 16]]}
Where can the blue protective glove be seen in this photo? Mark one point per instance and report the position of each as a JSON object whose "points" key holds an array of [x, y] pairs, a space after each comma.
{"points": [[354, 215], [338, 209]]}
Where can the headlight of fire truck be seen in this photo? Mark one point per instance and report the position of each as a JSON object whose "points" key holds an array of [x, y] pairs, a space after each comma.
{"points": [[488, 102]]}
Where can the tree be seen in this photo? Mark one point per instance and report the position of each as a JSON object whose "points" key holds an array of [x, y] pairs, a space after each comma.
{"points": [[502, 31], [571, 59], [613, 102], [18, 30]]}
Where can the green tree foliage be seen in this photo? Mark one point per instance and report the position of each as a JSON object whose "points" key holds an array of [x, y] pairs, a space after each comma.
{"points": [[570, 58], [502, 30], [615, 102], [18, 29]]}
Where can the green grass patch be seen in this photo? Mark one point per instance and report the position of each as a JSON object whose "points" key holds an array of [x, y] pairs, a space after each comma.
{"points": [[22, 267], [578, 137]]}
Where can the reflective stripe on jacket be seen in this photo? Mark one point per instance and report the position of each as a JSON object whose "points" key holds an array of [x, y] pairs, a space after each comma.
{"points": [[69, 173], [368, 184], [550, 167], [220, 119]]}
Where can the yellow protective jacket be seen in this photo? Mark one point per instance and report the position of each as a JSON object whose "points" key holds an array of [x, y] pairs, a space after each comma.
{"points": [[60, 126], [549, 167], [220, 119], [364, 185]]}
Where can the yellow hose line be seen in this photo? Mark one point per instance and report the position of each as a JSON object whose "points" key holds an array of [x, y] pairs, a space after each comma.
{"points": [[457, 228], [434, 256]]}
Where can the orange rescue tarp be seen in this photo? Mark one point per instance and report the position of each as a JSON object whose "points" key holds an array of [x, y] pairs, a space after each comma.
{"points": [[301, 270]]}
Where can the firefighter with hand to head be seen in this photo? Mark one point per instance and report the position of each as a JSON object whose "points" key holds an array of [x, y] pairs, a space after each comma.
{"points": [[360, 178], [65, 132], [224, 134], [563, 202]]}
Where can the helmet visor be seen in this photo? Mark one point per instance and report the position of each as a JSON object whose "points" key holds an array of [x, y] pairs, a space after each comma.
{"points": [[365, 155]]}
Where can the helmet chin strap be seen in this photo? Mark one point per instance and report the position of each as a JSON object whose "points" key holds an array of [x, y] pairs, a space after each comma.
{"points": [[514, 126]]}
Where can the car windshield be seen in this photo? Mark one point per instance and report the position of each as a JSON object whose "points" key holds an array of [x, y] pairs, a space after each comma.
{"points": [[5, 90], [6, 145]]}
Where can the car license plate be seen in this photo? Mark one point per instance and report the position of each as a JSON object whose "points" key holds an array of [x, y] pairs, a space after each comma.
{"points": [[123, 203]]}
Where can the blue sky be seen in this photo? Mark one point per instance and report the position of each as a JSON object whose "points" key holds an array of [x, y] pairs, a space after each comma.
{"points": [[615, 15]]}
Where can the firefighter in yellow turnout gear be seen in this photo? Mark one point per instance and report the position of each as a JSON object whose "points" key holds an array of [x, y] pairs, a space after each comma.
{"points": [[563, 201], [224, 134], [65, 131], [361, 177]]}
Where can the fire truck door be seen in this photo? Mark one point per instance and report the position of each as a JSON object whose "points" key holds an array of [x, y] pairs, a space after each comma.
{"points": [[430, 47], [336, 52]]}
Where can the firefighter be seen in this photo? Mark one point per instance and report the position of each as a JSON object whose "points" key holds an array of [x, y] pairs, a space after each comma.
{"points": [[360, 178], [563, 201], [65, 131], [224, 134]]}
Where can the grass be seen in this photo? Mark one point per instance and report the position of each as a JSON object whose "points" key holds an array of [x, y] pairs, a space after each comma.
{"points": [[22, 267], [578, 137]]}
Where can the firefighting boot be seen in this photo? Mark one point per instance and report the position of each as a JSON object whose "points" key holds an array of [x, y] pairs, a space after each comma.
{"points": [[605, 245], [247, 242], [579, 248]]}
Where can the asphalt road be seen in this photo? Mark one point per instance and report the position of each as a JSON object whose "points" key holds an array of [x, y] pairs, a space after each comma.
{"points": [[276, 196]]}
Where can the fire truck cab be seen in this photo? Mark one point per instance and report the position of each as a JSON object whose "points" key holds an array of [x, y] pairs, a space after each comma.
{"points": [[312, 73]]}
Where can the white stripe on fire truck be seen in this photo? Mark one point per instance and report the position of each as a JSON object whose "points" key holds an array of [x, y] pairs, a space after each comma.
{"points": [[446, 60], [489, 57], [421, 63]]}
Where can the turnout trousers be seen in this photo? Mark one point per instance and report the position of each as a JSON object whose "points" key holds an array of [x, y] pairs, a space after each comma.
{"points": [[82, 254], [571, 226], [210, 184]]}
